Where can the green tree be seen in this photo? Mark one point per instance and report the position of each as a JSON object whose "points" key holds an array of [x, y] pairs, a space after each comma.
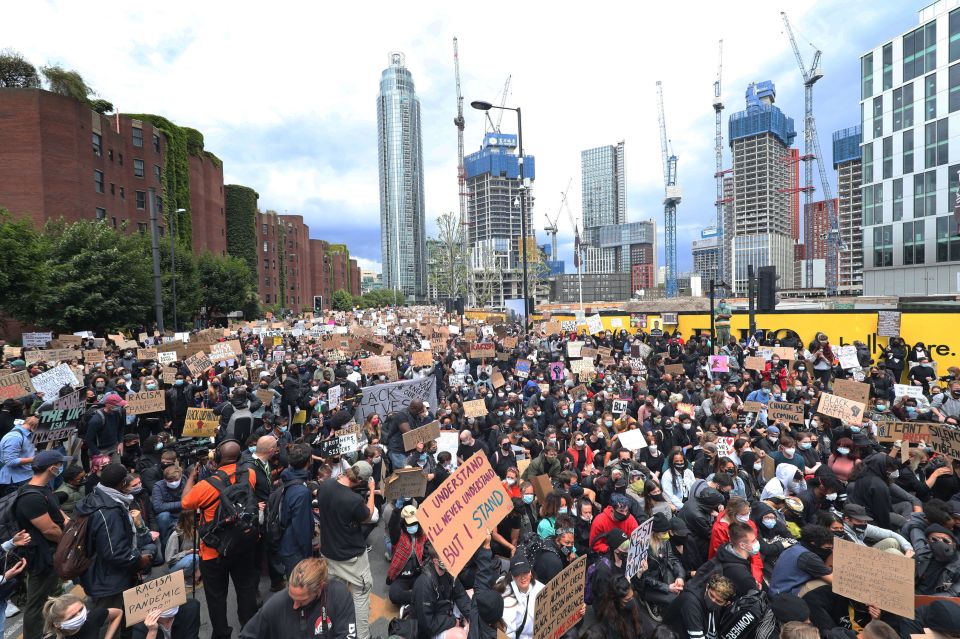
{"points": [[23, 269], [341, 300], [67, 82], [99, 279], [101, 106], [225, 284], [16, 72], [448, 268]]}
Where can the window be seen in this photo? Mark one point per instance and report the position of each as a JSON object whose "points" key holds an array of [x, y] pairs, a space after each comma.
{"points": [[101, 214], [138, 137], [266, 230], [141, 227], [920, 51], [113, 188], [903, 107], [866, 73], [156, 172], [955, 35], [113, 220], [925, 194], [264, 247], [156, 142], [883, 246], [953, 183], [873, 204], [953, 99], [266, 265], [930, 97], [887, 66], [98, 181], [141, 199], [898, 199], [868, 162], [138, 168], [123, 193], [878, 116], [110, 154], [936, 145], [907, 152], [913, 242], [268, 294], [887, 158], [97, 145], [948, 241]]}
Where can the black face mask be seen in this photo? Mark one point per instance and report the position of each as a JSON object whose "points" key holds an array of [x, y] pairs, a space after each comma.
{"points": [[822, 553], [619, 516], [943, 552]]}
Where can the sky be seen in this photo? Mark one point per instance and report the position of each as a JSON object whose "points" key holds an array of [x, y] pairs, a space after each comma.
{"points": [[286, 93]]}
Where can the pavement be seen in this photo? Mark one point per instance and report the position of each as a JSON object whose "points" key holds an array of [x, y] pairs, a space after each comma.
{"points": [[381, 610]]}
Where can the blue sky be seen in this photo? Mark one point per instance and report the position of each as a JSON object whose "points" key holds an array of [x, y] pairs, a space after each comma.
{"points": [[287, 97]]}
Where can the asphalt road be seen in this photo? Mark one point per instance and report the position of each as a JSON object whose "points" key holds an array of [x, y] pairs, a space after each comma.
{"points": [[381, 610]]}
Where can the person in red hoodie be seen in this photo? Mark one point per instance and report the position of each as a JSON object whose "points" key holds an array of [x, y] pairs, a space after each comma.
{"points": [[616, 515], [775, 372], [738, 509]]}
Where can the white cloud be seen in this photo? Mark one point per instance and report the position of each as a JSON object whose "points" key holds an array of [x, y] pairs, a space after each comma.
{"points": [[369, 265], [306, 75]]}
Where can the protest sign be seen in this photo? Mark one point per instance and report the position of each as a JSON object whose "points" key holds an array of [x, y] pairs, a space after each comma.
{"points": [[783, 352], [93, 356], [497, 378], [167, 358], [509, 342], [341, 442], [162, 593], [145, 402], [35, 340], [266, 396], [754, 363], [852, 390], [59, 423], [785, 411], [12, 352], [51, 355], [69, 341], [619, 406], [687, 409], [673, 369], [594, 324], [847, 355], [522, 369], [223, 351], [568, 326], [11, 392], [424, 434], [50, 382], [460, 513], [480, 350], [559, 606], [725, 446], [421, 358], [908, 390], [639, 547], [588, 353], [632, 439], [376, 365], [891, 431], [20, 379], [200, 422], [842, 408], [386, 398], [752, 407], [475, 408], [405, 482], [542, 486], [581, 366], [375, 346], [574, 349], [718, 364], [147, 354], [198, 364], [888, 323], [557, 371], [945, 440], [873, 577]]}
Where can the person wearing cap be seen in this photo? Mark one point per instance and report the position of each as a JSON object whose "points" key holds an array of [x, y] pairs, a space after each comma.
{"points": [[37, 510], [342, 511], [312, 605], [434, 595], [771, 442], [179, 622], [520, 597], [105, 428], [615, 515], [296, 510], [409, 543], [941, 616], [559, 551], [16, 455], [858, 529], [937, 562]]}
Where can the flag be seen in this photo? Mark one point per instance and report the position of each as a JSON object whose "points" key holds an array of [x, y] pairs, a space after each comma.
{"points": [[576, 247]]}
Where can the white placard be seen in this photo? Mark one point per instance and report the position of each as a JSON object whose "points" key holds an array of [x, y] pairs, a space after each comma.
{"points": [[50, 382], [632, 439]]}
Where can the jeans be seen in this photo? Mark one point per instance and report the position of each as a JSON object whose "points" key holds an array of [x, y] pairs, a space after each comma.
{"points": [[3, 615], [166, 522], [398, 461], [356, 574], [188, 564], [217, 574], [40, 586]]}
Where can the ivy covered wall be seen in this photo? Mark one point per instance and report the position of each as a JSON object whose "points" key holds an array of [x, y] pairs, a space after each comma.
{"points": [[240, 203]]}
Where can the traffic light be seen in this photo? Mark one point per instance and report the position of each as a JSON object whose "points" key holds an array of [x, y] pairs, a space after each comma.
{"points": [[318, 303], [458, 304], [767, 288]]}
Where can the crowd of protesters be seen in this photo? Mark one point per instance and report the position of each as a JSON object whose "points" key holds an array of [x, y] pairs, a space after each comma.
{"points": [[746, 508]]}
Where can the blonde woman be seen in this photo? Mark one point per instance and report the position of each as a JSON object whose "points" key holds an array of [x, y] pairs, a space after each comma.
{"points": [[67, 616]]}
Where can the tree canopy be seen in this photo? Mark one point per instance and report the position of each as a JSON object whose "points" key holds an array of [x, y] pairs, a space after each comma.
{"points": [[16, 72]]}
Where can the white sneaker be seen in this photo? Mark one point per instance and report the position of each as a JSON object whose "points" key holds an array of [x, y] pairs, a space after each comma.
{"points": [[12, 610]]}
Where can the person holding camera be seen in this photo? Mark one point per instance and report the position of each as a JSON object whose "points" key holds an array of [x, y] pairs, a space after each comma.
{"points": [[344, 505], [13, 565]]}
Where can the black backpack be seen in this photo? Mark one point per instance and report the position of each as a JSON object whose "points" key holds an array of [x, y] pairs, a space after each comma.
{"points": [[273, 525], [748, 617], [8, 517], [234, 529], [86, 417]]}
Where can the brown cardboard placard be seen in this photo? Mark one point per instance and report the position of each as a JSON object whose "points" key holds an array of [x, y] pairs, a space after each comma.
{"points": [[12, 352], [483, 350], [20, 379], [891, 431], [874, 577], [497, 378], [198, 364], [674, 369], [559, 606], [754, 363], [542, 486], [93, 356], [147, 354], [376, 365], [425, 433], [852, 389], [162, 593], [945, 440], [146, 402], [200, 422], [841, 408], [785, 411], [474, 408], [405, 482], [421, 358]]}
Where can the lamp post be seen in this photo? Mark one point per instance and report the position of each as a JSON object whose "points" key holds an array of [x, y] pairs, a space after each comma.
{"points": [[173, 262], [480, 105], [713, 324]]}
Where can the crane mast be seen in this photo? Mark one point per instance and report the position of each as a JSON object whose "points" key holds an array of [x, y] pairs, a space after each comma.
{"points": [[671, 198], [811, 152], [551, 225], [718, 153], [461, 171]]}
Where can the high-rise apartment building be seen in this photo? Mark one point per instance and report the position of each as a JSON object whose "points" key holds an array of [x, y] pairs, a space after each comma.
{"points": [[706, 254], [910, 105], [846, 161], [403, 248], [603, 181], [818, 214], [762, 230], [493, 216]]}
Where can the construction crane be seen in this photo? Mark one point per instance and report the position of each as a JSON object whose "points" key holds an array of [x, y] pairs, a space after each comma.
{"points": [[495, 126], [718, 153], [671, 198], [578, 245], [551, 226], [811, 152], [461, 171]]}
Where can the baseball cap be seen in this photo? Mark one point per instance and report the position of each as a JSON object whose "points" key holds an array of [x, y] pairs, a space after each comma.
{"points": [[773, 430], [409, 514], [519, 564], [49, 458], [856, 511], [364, 470], [114, 400]]}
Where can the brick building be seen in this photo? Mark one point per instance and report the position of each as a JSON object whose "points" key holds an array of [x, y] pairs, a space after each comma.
{"points": [[58, 158]]}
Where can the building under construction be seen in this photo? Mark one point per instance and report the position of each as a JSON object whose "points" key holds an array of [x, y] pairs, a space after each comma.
{"points": [[847, 162], [762, 232]]}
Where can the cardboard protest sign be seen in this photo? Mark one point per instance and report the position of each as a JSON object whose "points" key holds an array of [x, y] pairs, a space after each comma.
{"points": [[200, 422], [687, 409], [754, 363], [751, 407], [542, 486], [588, 353], [146, 354], [475, 408], [594, 324], [632, 439], [673, 369], [145, 402], [51, 355], [12, 352], [479, 350], [639, 547], [458, 514], [557, 371], [20, 379], [376, 365], [34, 340], [266, 396], [559, 606], [718, 364], [786, 411], [93, 356], [342, 442], [581, 366], [386, 398], [888, 323], [574, 349], [945, 440], [497, 378], [11, 392], [847, 356], [424, 434], [522, 465], [509, 342], [50, 382], [841, 408], [198, 364], [162, 593], [853, 390], [873, 577], [891, 431], [375, 346], [223, 351], [167, 358], [406, 482], [421, 358]]}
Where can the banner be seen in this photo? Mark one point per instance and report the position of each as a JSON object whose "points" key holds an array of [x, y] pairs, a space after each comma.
{"points": [[559, 606], [395, 396]]}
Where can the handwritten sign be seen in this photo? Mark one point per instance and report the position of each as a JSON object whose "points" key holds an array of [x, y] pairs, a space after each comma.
{"points": [[475, 408], [376, 365], [752, 407], [852, 390], [594, 324], [458, 514], [406, 482], [12, 352], [145, 402], [421, 358], [481, 350], [891, 431], [522, 369], [785, 411], [619, 406], [167, 358], [908, 390], [20, 379], [146, 354], [632, 439], [888, 323], [33, 340], [223, 351], [51, 355], [162, 593], [945, 440], [673, 369], [754, 363], [200, 422], [574, 349], [842, 408], [581, 366], [93, 356], [557, 371], [497, 378], [639, 547], [558, 607], [424, 434], [198, 364], [873, 577], [847, 356], [718, 364], [50, 382]]}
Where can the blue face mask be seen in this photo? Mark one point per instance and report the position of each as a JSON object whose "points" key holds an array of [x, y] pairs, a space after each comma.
{"points": [[528, 499], [562, 510], [178, 382], [769, 523], [283, 429], [252, 449], [413, 529], [805, 445], [843, 451], [881, 407], [854, 429]]}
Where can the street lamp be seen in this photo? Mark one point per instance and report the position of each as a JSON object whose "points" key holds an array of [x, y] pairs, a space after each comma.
{"points": [[173, 262], [713, 325], [482, 105]]}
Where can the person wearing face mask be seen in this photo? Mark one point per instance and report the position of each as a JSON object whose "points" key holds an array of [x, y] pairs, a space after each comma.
{"points": [[787, 480], [409, 543], [296, 510], [804, 562], [772, 533], [434, 594], [872, 488], [937, 562], [67, 616], [503, 458], [947, 404], [547, 463], [740, 558], [165, 499], [104, 430], [820, 495], [179, 398], [615, 515], [677, 479], [858, 529], [581, 454], [700, 606], [787, 453]]}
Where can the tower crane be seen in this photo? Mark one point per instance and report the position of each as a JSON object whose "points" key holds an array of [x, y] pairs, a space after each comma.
{"points": [[495, 126], [551, 225], [461, 171], [718, 153], [671, 198], [811, 151], [578, 246]]}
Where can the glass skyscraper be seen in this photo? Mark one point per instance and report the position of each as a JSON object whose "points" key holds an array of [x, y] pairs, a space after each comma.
{"points": [[402, 227], [604, 202]]}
